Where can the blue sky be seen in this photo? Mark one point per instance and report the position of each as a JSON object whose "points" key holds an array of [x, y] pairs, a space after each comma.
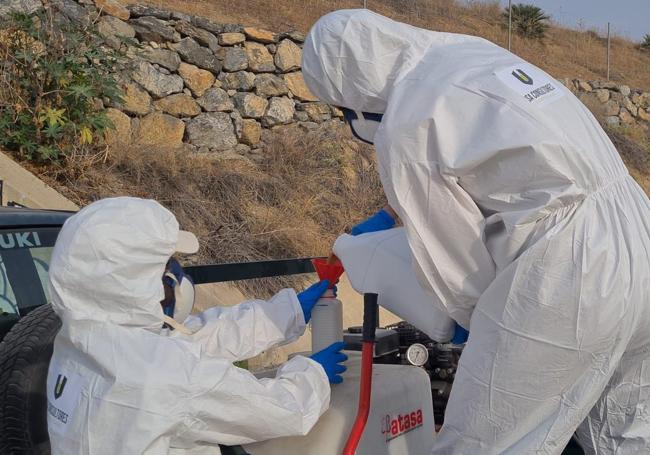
{"points": [[629, 18]]}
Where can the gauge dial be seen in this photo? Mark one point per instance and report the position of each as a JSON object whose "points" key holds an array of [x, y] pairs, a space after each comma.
{"points": [[417, 354]]}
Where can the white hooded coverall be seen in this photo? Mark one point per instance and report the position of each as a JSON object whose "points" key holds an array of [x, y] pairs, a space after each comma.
{"points": [[120, 384], [524, 224]]}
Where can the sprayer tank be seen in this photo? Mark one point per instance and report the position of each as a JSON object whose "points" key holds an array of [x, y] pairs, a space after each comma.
{"points": [[400, 420]]}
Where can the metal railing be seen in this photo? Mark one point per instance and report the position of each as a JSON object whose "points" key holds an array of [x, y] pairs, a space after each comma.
{"points": [[219, 273]]}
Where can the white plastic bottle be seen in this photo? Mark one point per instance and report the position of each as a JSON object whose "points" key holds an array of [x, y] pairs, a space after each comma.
{"points": [[326, 321]]}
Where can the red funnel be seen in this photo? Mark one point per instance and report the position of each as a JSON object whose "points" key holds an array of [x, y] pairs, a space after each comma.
{"points": [[328, 270]]}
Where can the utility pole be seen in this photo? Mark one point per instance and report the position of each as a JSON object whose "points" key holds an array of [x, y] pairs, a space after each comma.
{"points": [[509, 24], [608, 46]]}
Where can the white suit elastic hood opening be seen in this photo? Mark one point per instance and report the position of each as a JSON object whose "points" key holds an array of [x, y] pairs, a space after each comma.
{"points": [[109, 259]]}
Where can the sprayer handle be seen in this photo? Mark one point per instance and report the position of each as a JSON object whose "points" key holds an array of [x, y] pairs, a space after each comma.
{"points": [[369, 316]]}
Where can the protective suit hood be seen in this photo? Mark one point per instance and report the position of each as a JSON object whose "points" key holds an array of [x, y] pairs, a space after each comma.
{"points": [[353, 58], [109, 259]]}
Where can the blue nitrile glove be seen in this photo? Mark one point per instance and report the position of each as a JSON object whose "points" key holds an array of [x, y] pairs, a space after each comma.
{"points": [[380, 221], [460, 335], [330, 358], [310, 296]]}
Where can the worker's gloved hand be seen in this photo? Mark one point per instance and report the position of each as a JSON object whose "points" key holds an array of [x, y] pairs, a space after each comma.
{"points": [[330, 358], [310, 296], [380, 221], [460, 335]]}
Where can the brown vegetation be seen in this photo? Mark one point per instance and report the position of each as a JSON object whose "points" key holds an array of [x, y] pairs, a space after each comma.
{"points": [[563, 53], [294, 202], [633, 143]]}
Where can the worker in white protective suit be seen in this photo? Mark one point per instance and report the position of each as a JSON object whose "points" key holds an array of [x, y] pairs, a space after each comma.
{"points": [[121, 383], [523, 223]]}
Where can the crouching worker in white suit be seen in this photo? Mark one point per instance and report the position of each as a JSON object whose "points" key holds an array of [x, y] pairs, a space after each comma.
{"points": [[523, 223], [126, 378]]}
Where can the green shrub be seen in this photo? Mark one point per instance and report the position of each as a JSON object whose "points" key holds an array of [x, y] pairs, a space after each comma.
{"points": [[645, 43], [54, 74], [528, 21]]}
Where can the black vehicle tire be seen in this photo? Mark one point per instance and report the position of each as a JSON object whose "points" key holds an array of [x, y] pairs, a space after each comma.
{"points": [[24, 360]]}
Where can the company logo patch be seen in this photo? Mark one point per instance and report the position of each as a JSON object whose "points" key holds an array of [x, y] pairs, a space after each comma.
{"points": [[393, 426], [532, 84], [63, 392]]}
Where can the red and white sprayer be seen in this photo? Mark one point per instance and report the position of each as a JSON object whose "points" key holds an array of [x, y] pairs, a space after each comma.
{"points": [[378, 409]]}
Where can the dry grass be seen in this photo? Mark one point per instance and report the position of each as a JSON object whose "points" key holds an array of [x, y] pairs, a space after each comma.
{"points": [[633, 143], [564, 53], [294, 202]]}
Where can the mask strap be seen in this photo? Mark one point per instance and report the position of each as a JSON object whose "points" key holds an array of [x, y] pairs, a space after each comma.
{"points": [[172, 277], [177, 325]]}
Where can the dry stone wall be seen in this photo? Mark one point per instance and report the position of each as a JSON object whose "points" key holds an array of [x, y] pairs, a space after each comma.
{"points": [[620, 105], [214, 87], [195, 83]]}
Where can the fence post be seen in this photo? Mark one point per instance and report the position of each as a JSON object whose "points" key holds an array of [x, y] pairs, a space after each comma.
{"points": [[608, 46], [365, 4], [509, 24]]}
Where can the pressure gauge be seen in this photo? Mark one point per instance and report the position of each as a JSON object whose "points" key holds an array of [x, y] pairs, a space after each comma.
{"points": [[417, 354]]}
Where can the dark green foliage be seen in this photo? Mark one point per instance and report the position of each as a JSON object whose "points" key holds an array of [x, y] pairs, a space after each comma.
{"points": [[528, 21], [53, 74], [645, 44]]}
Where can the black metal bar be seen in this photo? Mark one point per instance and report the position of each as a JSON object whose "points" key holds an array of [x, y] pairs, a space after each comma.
{"points": [[370, 314], [217, 273]]}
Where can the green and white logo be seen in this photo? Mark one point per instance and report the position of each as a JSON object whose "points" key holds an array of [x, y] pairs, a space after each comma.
{"points": [[59, 386], [522, 76], [64, 389]]}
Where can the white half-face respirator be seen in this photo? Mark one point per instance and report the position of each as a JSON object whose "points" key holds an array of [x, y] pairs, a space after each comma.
{"points": [[180, 305]]}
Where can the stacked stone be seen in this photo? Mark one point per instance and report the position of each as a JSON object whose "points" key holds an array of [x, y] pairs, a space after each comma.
{"points": [[621, 104], [213, 87]]}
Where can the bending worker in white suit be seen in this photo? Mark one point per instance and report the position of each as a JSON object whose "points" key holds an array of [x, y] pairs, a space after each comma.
{"points": [[523, 222], [121, 383]]}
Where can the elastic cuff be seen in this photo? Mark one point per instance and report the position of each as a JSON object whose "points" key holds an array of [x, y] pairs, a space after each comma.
{"points": [[389, 220], [297, 307]]}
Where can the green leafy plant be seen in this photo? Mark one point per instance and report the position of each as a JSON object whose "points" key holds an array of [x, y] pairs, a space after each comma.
{"points": [[645, 43], [528, 21], [53, 75]]}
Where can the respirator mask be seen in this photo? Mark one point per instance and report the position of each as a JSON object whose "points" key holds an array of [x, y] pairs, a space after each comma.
{"points": [[364, 125], [179, 293]]}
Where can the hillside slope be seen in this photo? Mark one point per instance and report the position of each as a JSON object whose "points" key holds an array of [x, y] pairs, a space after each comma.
{"points": [[306, 185], [564, 53]]}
